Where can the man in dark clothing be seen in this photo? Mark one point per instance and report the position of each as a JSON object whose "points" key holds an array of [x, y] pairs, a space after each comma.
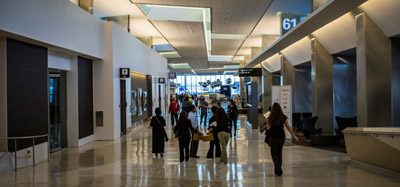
{"points": [[203, 111], [223, 133]]}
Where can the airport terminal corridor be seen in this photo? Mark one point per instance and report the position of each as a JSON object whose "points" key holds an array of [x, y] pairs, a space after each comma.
{"points": [[129, 162]]}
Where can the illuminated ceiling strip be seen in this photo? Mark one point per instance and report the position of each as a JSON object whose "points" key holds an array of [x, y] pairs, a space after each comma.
{"points": [[220, 58], [228, 36]]}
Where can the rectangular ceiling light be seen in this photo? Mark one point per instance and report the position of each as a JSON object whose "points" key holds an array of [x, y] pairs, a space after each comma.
{"points": [[180, 66], [231, 66], [228, 36], [220, 58], [229, 72], [238, 58], [172, 13], [170, 54]]}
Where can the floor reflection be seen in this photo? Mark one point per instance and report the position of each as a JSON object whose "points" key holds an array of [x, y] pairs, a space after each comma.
{"points": [[129, 162]]}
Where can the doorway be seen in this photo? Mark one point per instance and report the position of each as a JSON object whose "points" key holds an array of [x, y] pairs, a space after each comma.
{"points": [[58, 112], [123, 106]]}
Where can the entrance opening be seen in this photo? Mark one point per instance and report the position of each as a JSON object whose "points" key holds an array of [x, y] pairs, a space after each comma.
{"points": [[57, 105], [123, 106]]}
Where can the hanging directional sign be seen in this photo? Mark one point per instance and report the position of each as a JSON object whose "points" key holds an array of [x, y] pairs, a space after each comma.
{"points": [[250, 72]]}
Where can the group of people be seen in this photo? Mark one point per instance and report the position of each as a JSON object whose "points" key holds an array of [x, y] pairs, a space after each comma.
{"points": [[220, 126]]}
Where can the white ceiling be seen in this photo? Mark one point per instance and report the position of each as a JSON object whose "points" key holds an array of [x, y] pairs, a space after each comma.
{"points": [[236, 25]]}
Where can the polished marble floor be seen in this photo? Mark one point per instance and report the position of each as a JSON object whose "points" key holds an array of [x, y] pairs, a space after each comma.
{"points": [[129, 162]]}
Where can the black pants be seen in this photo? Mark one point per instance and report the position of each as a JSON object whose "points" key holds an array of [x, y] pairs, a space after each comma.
{"points": [[214, 144], [184, 148], [234, 124], [276, 146], [203, 115], [194, 145], [174, 117]]}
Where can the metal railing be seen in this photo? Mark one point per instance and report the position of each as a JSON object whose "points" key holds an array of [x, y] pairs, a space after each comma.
{"points": [[33, 147]]}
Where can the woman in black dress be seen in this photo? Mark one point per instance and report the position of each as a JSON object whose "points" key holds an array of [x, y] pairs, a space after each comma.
{"points": [[182, 131], [276, 122], [158, 132]]}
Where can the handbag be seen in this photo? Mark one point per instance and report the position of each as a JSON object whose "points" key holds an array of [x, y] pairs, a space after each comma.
{"points": [[164, 132], [267, 136]]}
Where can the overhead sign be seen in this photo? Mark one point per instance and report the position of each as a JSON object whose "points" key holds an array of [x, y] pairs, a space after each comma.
{"points": [[289, 21], [161, 80], [124, 73], [250, 72]]}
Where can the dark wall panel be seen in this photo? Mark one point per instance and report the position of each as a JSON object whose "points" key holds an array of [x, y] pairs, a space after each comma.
{"points": [[85, 92], [303, 89], [149, 96], [345, 87], [27, 91], [396, 82]]}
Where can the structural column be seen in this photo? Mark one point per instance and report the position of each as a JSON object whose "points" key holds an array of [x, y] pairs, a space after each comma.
{"points": [[243, 93], [288, 76], [373, 74], [267, 82], [267, 79], [322, 78]]}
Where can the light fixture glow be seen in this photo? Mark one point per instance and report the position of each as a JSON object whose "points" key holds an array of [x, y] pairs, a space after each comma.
{"points": [[180, 65]]}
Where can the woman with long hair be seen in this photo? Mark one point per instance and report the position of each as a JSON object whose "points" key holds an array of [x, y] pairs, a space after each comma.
{"points": [[183, 129], [276, 122], [223, 133]]}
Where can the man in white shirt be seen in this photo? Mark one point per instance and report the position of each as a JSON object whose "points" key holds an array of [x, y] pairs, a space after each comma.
{"points": [[195, 143]]}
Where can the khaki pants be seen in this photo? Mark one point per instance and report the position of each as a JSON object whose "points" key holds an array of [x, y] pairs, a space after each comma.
{"points": [[223, 140]]}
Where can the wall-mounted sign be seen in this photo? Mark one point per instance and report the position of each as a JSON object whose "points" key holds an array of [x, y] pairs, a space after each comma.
{"points": [[161, 80], [289, 21], [247, 79], [171, 75], [250, 72], [124, 73]]}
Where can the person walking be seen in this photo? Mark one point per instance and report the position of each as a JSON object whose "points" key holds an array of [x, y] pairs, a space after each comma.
{"points": [[195, 143], [186, 104], [159, 136], [182, 131], [233, 116], [276, 122], [212, 123], [223, 133], [173, 110], [203, 110]]}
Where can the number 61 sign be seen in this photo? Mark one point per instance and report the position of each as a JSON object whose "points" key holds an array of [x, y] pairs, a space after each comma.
{"points": [[289, 21]]}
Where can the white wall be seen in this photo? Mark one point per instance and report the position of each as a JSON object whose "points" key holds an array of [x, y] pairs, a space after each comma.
{"points": [[132, 53], [57, 23], [121, 50], [102, 87], [57, 60]]}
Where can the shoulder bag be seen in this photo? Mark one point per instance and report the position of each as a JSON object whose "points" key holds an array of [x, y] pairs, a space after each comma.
{"points": [[164, 132]]}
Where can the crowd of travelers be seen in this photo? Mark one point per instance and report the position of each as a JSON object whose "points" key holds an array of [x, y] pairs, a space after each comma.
{"points": [[221, 126]]}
